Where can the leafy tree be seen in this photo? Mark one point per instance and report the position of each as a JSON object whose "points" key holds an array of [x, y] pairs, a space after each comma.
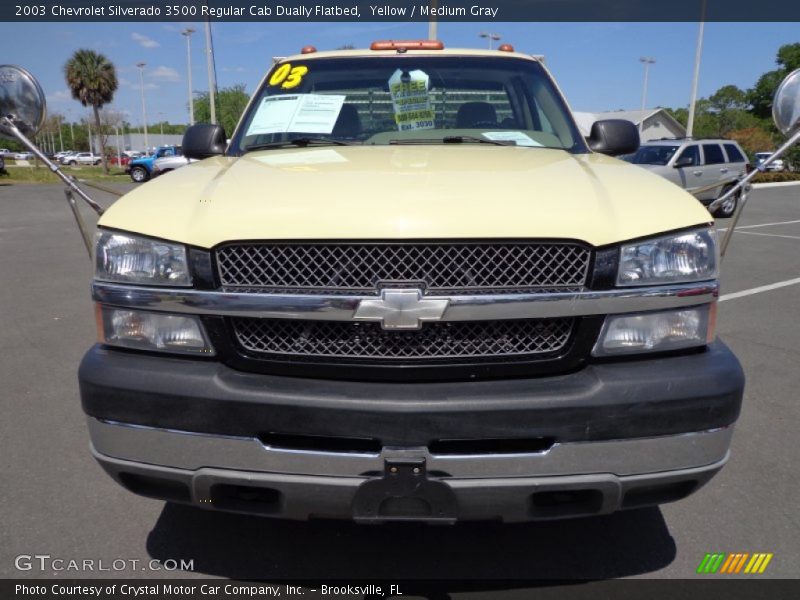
{"points": [[760, 97], [753, 139], [706, 123], [92, 79], [231, 102], [724, 111], [728, 97]]}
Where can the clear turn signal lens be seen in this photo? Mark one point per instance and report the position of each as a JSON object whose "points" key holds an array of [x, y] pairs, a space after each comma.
{"points": [[160, 332], [655, 331]]}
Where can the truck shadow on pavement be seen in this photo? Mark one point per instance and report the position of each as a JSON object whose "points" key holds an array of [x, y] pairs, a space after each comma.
{"points": [[245, 547]]}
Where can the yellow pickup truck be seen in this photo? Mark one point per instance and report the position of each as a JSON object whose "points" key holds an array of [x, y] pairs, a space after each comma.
{"points": [[407, 288]]}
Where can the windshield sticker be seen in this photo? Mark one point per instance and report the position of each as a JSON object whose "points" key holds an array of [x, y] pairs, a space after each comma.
{"points": [[411, 100], [287, 76], [301, 113], [518, 137]]}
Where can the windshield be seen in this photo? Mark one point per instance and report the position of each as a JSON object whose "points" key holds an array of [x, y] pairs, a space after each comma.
{"points": [[653, 155], [408, 99]]}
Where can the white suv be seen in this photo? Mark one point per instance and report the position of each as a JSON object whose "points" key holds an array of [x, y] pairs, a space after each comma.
{"points": [[696, 163], [776, 166]]}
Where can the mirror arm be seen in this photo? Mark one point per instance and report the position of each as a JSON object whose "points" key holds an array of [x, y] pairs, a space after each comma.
{"points": [[79, 220], [742, 183], [8, 123]]}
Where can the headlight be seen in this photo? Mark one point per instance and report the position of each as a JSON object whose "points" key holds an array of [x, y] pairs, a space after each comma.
{"points": [[127, 258], [656, 331], [681, 258], [143, 330]]}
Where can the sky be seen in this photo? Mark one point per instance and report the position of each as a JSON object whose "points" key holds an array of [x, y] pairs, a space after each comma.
{"points": [[596, 64]]}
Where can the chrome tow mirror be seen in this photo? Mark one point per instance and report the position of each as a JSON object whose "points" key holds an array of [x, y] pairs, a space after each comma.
{"points": [[786, 114], [786, 104], [21, 102], [23, 111]]}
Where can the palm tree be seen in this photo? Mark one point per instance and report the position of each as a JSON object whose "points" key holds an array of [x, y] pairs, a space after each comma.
{"points": [[92, 79]]}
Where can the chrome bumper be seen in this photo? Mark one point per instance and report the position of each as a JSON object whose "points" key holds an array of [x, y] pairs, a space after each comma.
{"points": [[569, 480], [185, 450]]}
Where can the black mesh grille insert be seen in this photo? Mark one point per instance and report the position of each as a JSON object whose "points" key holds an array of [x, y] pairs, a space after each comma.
{"points": [[451, 268], [478, 339]]}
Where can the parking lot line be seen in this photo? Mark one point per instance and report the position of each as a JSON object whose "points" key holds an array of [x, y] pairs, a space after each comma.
{"points": [[760, 289], [777, 235], [762, 225]]}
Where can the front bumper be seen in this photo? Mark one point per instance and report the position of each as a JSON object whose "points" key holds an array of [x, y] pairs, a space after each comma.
{"points": [[603, 401], [613, 435], [571, 480]]}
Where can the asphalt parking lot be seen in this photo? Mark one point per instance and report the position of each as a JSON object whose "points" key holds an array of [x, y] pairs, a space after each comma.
{"points": [[55, 500]]}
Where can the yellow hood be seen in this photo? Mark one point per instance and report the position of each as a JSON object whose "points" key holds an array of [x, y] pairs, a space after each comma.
{"points": [[406, 192]]}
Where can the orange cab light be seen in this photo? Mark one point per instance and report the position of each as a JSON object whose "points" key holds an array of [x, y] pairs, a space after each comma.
{"points": [[308, 50], [506, 48], [407, 45]]}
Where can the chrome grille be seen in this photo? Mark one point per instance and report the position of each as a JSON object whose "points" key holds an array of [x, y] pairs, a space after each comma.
{"points": [[439, 267], [457, 339]]}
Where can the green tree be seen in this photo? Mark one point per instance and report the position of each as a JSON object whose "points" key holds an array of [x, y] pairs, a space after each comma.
{"points": [[724, 111], [760, 96], [706, 124], [728, 97], [730, 106], [230, 105], [92, 79]]}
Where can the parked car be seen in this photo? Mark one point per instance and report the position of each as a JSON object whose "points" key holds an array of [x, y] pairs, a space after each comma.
{"points": [[59, 155], [420, 294], [169, 163], [23, 155], [119, 160], [82, 158], [6, 153], [141, 169], [695, 163], [775, 166]]}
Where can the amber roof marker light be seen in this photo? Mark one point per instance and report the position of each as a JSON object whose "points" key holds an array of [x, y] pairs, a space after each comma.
{"points": [[403, 45], [308, 50], [505, 48]]}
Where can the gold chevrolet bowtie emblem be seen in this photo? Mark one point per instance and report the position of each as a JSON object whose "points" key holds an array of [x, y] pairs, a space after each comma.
{"points": [[401, 309]]}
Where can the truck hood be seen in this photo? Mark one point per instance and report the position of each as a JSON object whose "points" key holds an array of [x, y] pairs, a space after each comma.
{"points": [[406, 192]]}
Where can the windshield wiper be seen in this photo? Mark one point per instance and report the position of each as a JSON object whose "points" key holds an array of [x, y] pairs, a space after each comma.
{"points": [[299, 143], [454, 139]]}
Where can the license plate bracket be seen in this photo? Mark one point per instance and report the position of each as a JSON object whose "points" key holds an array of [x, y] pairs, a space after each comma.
{"points": [[405, 492]]}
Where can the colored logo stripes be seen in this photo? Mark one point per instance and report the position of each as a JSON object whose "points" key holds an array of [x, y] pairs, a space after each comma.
{"points": [[735, 563]]}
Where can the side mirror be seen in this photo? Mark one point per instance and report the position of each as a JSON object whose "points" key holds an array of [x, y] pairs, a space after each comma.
{"points": [[203, 141], [614, 137], [22, 114], [21, 101], [786, 104], [684, 161]]}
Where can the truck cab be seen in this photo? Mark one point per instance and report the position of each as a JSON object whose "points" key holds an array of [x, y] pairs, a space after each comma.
{"points": [[408, 289]]}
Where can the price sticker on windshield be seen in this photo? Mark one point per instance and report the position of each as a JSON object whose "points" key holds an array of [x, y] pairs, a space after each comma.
{"points": [[288, 77]]}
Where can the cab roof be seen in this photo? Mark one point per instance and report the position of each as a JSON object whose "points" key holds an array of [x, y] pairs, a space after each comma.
{"points": [[367, 53]]}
